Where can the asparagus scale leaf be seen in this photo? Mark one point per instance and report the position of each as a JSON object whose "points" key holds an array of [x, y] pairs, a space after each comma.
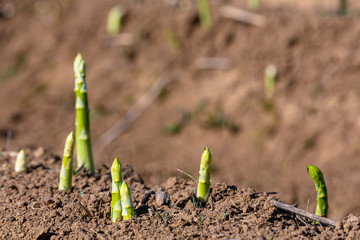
{"points": [[116, 177], [20, 164], [127, 205], [82, 120], [320, 187], [203, 189], [66, 171]]}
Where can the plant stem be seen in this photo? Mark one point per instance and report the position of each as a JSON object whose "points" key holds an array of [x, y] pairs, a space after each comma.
{"points": [[20, 164], [203, 190], [82, 121], [116, 177], [67, 164], [320, 186], [204, 13], [127, 205]]}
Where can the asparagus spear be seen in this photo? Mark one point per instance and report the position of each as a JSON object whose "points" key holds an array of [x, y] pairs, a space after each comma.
{"points": [[20, 164], [203, 189], [114, 20], [67, 164], [82, 123], [116, 177], [322, 201], [204, 13], [127, 205], [269, 80]]}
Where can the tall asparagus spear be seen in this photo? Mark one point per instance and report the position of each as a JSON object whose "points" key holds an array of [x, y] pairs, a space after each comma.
{"points": [[321, 199], [20, 164], [67, 164], [127, 205], [116, 177], [82, 121], [203, 189]]}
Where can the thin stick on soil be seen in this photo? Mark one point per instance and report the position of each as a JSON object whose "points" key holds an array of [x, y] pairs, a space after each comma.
{"points": [[187, 174], [144, 102], [289, 208], [301, 220], [242, 16]]}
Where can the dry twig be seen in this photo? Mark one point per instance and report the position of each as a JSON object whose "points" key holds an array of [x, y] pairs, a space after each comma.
{"points": [[289, 208], [144, 102], [242, 16]]}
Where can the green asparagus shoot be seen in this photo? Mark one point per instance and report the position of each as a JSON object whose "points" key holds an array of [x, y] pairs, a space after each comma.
{"points": [[321, 199], [253, 4], [127, 205], [204, 13], [203, 189], [67, 164], [82, 121], [116, 177], [269, 80], [20, 164], [343, 7], [114, 20]]}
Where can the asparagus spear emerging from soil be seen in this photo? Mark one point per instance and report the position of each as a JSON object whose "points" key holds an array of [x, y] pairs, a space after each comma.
{"points": [[269, 80], [322, 201], [204, 13], [114, 20], [67, 164], [82, 123], [127, 205], [203, 189], [116, 177], [20, 164]]}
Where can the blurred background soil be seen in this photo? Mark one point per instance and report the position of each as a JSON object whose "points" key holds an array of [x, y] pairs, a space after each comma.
{"points": [[313, 117]]}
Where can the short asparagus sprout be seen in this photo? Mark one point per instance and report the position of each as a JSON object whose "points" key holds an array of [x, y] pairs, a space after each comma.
{"points": [[67, 164], [269, 80], [253, 4], [321, 199], [82, 121], [114, 20], [203, 189], [204, 13], [20, 164], [343, 7], [127, 205], [116, 177]]}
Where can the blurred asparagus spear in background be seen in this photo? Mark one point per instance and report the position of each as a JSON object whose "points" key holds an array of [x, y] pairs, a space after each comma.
{"points": [[67, 164], [203, 189], [116, 177], [269, 80], [127, 205], [82, 121], [20, 164], [114, 20], [204, 13], [321, 199]]}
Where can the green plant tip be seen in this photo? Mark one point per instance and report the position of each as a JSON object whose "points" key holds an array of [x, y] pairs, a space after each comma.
{"points": [[114, 20], [116, 171], [320, 187], [127, 205], [203, 190], [116, 177], [66, 171], [20, 164], [79, 66]]}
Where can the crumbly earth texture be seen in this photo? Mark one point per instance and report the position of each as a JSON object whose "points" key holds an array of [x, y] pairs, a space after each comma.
{"points": [[32, 208]]}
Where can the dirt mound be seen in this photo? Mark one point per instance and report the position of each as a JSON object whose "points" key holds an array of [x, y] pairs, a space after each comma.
{"points": [[33, 208], [313, 118]]}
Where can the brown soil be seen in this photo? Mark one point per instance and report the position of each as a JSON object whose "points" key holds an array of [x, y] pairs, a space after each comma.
{"points": [[313, 118], [33, 208]]}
